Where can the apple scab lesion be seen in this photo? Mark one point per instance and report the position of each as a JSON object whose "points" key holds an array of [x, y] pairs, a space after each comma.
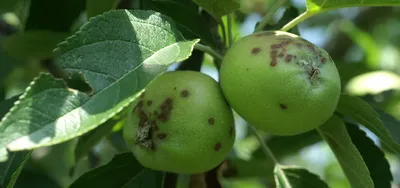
{"points": [[282, 45], [185, 93], [147, 126], [211, 121], [165, 110], [255, 51], [217, 146]]}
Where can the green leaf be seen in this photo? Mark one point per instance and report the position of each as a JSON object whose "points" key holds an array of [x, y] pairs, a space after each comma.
{"points": [[96, 7], [90, 139], [390, 123], [33, 44], [117, 65], [374, 158], [288, 177], [10, 170], [34, 179], [218, 8], [122, 171], [192, 25], [59, 14], [321, 5], [41, 115], [364, 114], [4, 108], [335, 134]]}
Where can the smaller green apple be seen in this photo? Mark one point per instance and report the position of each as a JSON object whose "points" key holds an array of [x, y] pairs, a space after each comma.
{"points": [[181, 123]]}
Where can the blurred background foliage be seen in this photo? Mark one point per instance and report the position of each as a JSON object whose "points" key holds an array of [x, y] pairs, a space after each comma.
{"points": [[364, 42]]}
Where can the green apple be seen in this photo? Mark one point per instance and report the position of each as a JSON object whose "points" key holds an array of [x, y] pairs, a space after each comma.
{"points": [[181, 123], [280, 82]]}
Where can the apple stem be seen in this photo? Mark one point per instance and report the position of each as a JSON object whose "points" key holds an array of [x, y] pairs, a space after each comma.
{"points": [[208, 50], [297, 20], [264, 147]]}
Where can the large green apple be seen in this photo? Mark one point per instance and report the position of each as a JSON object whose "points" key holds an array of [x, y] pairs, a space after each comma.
{"points": [[182, 123], [280, 82]]}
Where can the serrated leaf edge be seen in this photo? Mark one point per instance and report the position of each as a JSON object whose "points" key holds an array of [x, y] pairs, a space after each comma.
{"points": [[27, 89]]}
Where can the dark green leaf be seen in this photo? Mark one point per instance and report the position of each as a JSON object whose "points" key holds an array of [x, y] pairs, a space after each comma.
{"points": [[321, 5], [192, 25], [17, 172], [35, 180], [122, 171], [118, 53], [33, 44], [335, 134], [374, 158], [392, 124], [294, 177], [364, 114], [219, 8], [96, 7], [10, 170], [58, 16]]}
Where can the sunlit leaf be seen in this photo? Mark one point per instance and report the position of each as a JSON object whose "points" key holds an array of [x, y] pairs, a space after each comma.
{"points": [[321, 5], [118, 53]]}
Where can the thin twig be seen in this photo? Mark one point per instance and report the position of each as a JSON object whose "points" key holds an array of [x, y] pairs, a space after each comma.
{"points": [[264, 147], [296, 21], [224, 38], [208, 50]]}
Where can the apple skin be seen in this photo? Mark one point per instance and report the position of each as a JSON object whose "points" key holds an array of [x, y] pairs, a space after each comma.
{"points": [[181, 123], [280, 82]]}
